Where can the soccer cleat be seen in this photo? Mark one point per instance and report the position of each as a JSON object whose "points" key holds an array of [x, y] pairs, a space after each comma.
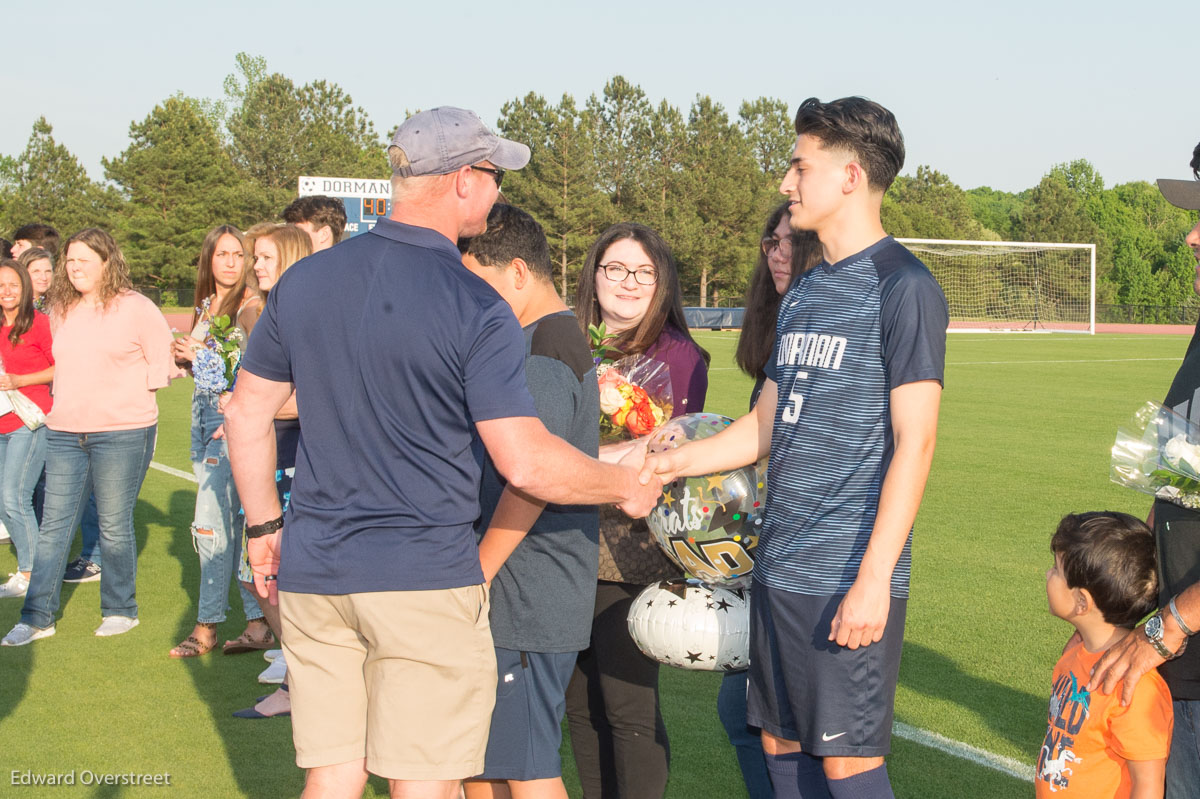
{"points": [[115, 625], [271, 654], [24, 633]]}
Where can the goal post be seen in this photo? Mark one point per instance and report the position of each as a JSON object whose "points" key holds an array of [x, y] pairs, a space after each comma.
{"points": [[1013, 285]]}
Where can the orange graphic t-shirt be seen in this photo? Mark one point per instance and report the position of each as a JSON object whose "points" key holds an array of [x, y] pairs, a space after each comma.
{"points": [[1090, 736]]}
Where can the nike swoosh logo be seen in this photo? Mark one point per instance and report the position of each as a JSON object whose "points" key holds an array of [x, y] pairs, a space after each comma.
{"points": [[827, 737]]}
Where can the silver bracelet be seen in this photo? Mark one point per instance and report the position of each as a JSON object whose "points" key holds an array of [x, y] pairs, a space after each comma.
{"points": [[1179, 618]]}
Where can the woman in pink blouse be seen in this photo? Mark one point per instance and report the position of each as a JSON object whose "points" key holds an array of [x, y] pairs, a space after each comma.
{"points": [[28, 366], [112, 351]]}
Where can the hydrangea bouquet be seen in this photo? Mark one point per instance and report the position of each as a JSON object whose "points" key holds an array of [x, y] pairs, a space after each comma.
{"points": [[1158, 453], [216, 365]]}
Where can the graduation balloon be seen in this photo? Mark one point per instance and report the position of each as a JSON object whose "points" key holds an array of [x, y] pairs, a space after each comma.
{"points": [[692, 626], [709, 525]]}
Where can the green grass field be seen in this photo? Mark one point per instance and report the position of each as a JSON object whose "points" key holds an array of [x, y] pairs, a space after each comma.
{"points": [[1027, 422]]}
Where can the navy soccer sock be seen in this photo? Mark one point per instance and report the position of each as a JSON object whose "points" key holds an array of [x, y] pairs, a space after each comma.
{"points": [[797, 776], [873, 784]]}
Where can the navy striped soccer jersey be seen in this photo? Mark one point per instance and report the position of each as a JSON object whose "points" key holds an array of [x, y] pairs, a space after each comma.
{"points": [[848, 333]]}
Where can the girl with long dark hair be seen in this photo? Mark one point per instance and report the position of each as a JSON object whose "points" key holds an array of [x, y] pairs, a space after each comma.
{"points": [[630, 283], [28, 366]]}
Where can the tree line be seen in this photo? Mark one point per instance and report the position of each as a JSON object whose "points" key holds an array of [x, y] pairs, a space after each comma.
{"points": [[704, 177]]}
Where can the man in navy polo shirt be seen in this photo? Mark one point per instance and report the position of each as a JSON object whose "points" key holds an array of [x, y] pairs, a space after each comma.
{"points": [[406, 367], [1177, 537], [848, 415]]}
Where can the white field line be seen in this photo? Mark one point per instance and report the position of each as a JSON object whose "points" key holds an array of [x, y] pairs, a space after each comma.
{"points": [[182, 475], [980, 757], [1054, 339], [974, 754], [1003, 363], [1076, 360]]}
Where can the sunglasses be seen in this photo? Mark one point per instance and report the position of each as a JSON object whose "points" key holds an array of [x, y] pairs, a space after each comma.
{"points": [[497, 174]]}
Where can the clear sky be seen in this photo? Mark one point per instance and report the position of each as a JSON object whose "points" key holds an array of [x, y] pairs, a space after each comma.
{"points": [[988, 93]]}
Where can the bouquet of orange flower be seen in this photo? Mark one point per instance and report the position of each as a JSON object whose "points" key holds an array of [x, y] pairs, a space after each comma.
{"points": [[635, 397]]}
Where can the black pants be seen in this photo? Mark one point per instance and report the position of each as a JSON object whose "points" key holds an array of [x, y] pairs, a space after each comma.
{"points": [[617, 731]]}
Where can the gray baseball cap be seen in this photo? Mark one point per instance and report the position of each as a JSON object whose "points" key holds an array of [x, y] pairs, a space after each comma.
{"points": [[1181, 193], [442, 140]]}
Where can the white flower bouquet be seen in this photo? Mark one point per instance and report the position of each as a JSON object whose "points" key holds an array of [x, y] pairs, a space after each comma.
{"points": [[1158, 453]]}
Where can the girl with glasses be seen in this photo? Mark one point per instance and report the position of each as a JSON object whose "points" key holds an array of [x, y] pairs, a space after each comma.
{"points": [[630, 283], [784, 254]]}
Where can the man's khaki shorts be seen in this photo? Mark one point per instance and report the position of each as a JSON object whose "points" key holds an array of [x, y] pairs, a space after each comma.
{"points": [[406, 679]]}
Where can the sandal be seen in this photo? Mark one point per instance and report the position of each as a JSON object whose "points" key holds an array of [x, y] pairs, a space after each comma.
{"points": [[246, 642], [254, 713], [192, 647]]}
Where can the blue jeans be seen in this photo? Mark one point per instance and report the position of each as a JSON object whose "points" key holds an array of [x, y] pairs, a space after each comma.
{"points": [[114, 463], [746, 741], [89, 528], [216, 514], [1183, 764], [90, 523], [22, 456]]}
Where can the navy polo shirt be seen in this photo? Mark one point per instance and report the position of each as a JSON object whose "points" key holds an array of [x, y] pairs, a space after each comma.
{"points": [[396, 350], [847, 334]]}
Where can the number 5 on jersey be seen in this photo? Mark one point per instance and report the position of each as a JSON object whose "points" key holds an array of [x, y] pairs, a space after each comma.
{"points": [[795, 400]]}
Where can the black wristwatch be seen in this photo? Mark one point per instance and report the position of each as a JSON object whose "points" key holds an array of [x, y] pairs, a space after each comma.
{"points": [[266, 528]]}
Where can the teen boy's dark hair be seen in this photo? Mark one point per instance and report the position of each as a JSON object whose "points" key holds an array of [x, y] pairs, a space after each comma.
{"points": [[39, 235], [320, 211], [1195, 162], [863, 128], [511, 233], [1112, 556]]}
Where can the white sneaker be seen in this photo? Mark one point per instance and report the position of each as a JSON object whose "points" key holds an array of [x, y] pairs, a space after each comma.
{"points": [[115, 625], [5, 538], [24, 633], [274, 674], [271, 654], [17, 585]]}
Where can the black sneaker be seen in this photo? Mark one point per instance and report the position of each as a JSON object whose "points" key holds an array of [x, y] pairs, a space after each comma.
{"points": [[81, 571]]}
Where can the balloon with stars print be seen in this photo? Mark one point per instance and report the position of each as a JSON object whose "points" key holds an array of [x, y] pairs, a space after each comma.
{"points": [[687, 624], [709, 525]]}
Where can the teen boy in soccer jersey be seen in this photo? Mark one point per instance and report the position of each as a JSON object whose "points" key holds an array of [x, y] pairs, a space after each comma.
{"points": [[849, 417]]}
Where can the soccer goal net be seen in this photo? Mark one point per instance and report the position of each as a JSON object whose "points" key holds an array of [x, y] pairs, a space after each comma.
{"points": [[1012, 285]]}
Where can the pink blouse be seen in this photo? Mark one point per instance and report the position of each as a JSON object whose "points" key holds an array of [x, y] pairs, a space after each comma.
{"points": [[108, 363]]}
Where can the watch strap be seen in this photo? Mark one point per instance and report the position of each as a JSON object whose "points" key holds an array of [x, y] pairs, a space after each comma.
{"points": [[266, 528]]}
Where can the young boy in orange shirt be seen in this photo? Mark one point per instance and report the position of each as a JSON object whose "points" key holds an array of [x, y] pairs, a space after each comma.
{"points": [[1103, 581]]}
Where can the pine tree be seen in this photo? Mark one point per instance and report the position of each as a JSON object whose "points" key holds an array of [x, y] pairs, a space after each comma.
{"points": [[558, 187], [178, 182], [47, 184]]}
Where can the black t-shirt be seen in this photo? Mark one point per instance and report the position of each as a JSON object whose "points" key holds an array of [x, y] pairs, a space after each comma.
{"points": [[544, 596], [1177, 532]]}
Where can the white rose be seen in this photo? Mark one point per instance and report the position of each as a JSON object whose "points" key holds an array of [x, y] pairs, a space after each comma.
{"points": [[1178, 451], [611, 400]]}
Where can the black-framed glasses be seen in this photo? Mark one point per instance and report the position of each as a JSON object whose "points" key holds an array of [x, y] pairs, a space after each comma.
{"points": [[770, 243], [646, 276], [497, 174]]}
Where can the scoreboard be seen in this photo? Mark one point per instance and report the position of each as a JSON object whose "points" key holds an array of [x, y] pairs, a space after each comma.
{"points": [[365, 200]]}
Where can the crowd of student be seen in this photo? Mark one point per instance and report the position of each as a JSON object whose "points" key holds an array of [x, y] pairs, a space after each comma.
{"points": [[513, 550]]}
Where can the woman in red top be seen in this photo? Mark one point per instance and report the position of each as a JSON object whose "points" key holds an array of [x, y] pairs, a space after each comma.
{"points": [[28, 366]]}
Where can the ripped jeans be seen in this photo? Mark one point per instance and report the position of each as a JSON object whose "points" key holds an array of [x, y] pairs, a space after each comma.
{"points": [[215, 534]]}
